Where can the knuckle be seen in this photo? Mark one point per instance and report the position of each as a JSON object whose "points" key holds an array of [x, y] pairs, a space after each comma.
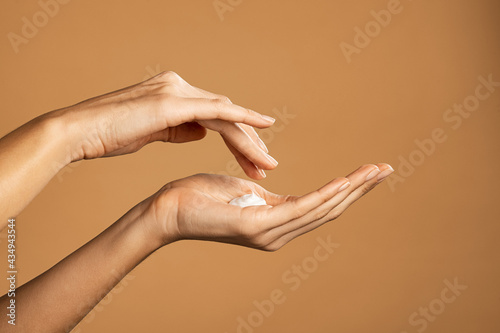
{"points": [[250, 113], [334, 213], [324, 197], [169, 75], [169, 78], [220, 102], [219, 106], [298, 211], [318, 215], [224, 99]]}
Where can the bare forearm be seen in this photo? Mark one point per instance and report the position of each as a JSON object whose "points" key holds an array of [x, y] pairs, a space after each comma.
{"points": [[59, 298], [29, 157]]}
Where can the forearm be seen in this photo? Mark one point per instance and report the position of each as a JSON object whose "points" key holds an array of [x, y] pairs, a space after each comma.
{"points": [[59, 298], [29, 157]]}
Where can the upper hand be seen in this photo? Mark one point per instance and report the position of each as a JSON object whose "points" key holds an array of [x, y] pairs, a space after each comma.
{"points": [[165, 108]]}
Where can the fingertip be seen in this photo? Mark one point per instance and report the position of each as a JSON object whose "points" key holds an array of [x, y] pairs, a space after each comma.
{"points": [[337, 185], [374, 172], [197, 131], [269, 119], [385, 171], [384, 166], [365, 168], [254, 172], [266, 161], [369, 166], [333, 187], [272, 161], [345, 183], [263, 121]]}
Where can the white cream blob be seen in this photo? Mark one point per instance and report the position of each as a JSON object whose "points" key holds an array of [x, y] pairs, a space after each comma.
{"points": [[248, 200]]}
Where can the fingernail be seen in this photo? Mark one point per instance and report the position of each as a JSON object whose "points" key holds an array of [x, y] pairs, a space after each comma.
{"points": [[381, 176], [343, 187], [262, 145], [262, 173], [269, 119], [372, 174], [272, 160]]}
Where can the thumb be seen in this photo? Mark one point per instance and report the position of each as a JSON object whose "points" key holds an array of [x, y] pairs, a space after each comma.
{"points": [[178, 134]]}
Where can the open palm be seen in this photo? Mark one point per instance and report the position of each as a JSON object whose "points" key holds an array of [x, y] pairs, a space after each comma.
{"points": [[197, 207]]}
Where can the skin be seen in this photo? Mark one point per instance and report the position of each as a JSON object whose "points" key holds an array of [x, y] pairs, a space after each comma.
{"points": [[164, 108]]}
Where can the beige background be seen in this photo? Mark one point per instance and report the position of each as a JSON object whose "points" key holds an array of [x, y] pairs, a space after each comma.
{"points": [[397, 245]]}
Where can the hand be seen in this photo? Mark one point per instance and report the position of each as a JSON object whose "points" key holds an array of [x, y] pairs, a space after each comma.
{"points": [[165, 108], [197, 207]]}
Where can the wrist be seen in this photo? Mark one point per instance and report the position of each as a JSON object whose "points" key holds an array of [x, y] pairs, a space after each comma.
{"points": [[137, 232], [63, 126], [53, 136], [160, 216], [156, 218]]}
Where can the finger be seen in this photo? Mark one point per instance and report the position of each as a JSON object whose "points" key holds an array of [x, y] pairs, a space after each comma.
{"points": [[337, 210], [385, 170], [297, 207], [241, 141], [205, 109], [356, 179], [208, 94], [250, 169], [255, 137], [183, 133], [249, 129]]}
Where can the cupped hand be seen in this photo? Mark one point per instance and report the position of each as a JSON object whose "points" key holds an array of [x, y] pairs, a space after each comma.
{"points": [[197, 207], [165, 108]]}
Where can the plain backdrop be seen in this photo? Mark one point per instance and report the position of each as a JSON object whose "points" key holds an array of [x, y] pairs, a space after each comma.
{"points": [[380, 101]]}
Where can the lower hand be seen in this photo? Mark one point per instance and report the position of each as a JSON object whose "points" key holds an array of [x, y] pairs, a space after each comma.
{"points": [[197, 207]]}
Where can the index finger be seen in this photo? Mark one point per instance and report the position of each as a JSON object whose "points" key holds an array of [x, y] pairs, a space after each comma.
{"points": [[207, 108]]}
